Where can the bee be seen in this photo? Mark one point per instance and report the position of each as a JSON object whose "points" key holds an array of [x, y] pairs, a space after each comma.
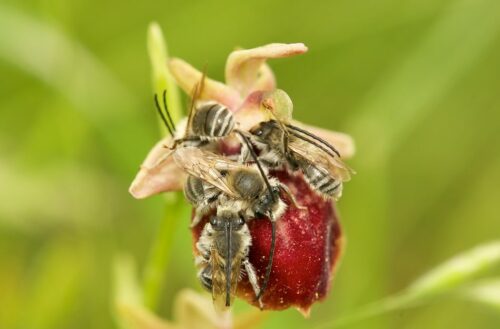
{"points": [[206, 123], [282, 144], [223, 254], [233, 189]]}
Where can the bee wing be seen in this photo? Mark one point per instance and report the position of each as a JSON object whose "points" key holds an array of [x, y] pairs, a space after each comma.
{"points": [[206, 166], [219, 280], [335, 166]]}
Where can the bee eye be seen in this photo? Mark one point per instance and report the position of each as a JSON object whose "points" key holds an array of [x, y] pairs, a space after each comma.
{"points": [[214, 221], [257, 132], [240, 221]]}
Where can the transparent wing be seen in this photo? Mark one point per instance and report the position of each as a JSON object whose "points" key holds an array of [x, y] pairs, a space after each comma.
{"points": [[333, 164], [219, 280], [206, 166]]}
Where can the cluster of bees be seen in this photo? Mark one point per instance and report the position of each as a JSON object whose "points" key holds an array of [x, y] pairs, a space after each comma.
{"points": [[233, 190]]}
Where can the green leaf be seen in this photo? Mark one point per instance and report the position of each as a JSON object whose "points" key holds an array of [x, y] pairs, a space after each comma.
{"points": [[457, 271], [486, 292], [445, 279]]}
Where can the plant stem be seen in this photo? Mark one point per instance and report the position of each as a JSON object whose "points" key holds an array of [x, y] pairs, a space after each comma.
{"points": [[155, 269]]}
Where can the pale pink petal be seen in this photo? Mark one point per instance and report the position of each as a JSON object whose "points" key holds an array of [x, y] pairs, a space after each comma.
{"points": [[263, 106], [342, 142], [265, 79], [251, 112], [158, 173], [243, 66], [187, 77]]}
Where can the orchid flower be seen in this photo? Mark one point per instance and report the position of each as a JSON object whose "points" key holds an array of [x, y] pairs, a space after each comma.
{"points": [[309, 239], [250, 86]]}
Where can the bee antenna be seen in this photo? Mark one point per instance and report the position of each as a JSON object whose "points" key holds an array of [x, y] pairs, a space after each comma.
{"points": [[313, 136], [312, 142], [228, 263], [160, 112], [256, 159], [271, 256], [167, 111]]}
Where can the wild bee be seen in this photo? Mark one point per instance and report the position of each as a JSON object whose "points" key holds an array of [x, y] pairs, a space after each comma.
{"points": [[208, 122], [223, 254], [212, 175], [216, 182], [282, 144]]}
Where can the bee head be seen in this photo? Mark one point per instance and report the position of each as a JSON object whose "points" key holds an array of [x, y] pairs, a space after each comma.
{"points": [[268, 132], [267, 201], [225, 220]]}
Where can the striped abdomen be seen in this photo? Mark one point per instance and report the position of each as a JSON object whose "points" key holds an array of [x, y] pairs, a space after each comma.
{"points": [[322, 181], [198, 192], [212, 120]]}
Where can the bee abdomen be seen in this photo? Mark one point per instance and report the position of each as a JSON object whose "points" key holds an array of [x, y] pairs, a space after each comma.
{"points": [[205, 276], [322, 182], [193, 190], [198, 192], [213, 120]]}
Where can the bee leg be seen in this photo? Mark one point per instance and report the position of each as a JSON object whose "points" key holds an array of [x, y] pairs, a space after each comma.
{"points": [[205, 277], [245, 152], [252, 278], [287, 191], [198, 215]]}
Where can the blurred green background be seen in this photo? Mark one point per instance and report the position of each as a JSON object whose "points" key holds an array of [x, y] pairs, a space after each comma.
{"points": [[415, 82]]}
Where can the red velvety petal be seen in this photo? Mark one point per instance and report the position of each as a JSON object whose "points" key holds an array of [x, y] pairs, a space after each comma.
{"points": [[308, 246]]}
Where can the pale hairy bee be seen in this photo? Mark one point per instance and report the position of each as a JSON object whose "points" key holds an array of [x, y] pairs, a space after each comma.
{"points": [[245, 189], [281, 144], [207, 121], [223, 256], [212, 176]]}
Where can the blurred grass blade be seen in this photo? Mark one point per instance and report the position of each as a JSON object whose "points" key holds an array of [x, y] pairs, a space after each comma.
{"points": [[155, 271], [125, 279], [47, 53], [162, 79], [56, 287], [449, 277], [126, 290], [486, 292], [44, 51], [405, 97], [457, 271], [395, 107]]}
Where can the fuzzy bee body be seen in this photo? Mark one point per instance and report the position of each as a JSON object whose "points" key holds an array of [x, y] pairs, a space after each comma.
{"points": [[206, 123], [245, 191], [214, 180], [285, 145], [223, 254], [211, 121], [321, 180]]}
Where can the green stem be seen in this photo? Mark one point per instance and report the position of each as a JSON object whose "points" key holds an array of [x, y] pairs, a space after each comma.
{"points": [[155, 269], [386, 305]]}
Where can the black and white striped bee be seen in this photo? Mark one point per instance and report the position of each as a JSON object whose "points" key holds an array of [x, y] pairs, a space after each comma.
{"points": [[280, 143], [206, 123]]}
